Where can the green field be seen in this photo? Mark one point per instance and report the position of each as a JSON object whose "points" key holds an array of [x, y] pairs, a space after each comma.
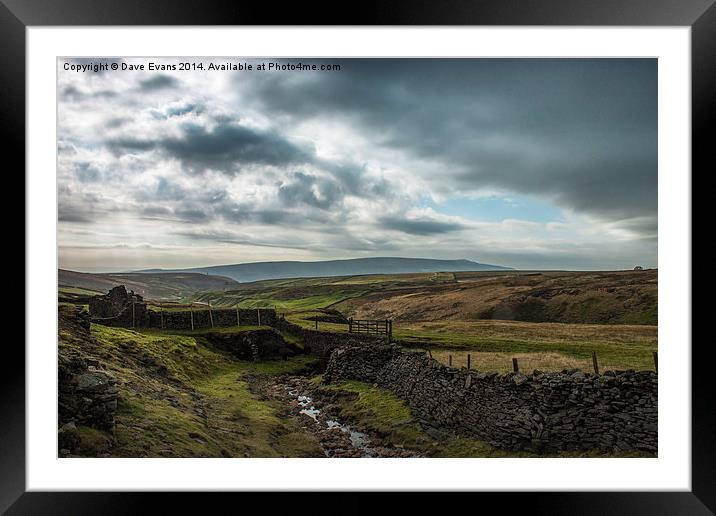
{"points": [[548, 320], [564, 346]]}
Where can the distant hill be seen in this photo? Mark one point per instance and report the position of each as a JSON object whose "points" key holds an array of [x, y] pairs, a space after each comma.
{"points": [[247, 272], [165, 285], [591, 297]]}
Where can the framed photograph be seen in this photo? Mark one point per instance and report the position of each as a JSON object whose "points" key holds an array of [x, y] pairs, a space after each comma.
{"points": [[436, 247]]}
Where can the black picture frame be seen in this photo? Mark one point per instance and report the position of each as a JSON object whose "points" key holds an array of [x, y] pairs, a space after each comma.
{"points": [[700, 15]]}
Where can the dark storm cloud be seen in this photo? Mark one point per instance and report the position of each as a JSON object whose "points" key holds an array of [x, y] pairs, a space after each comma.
{"points": [[183, 109], [609, 186], [224, 147], [115, 122], [228, 144], [153, 211], [64, 147], [166, 190], [311, 190], [646, 226], [270, 216], [206, 235], [87, 172], [71, 93], [582, 132], [421, 227], [158, 82], [86, 208], [120, 145], [232, 212], [192, 214], [231, 238], [240, 213], [69, 213]]}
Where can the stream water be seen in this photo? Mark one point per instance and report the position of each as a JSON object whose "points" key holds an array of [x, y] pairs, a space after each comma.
{"points": [[357, 441]]}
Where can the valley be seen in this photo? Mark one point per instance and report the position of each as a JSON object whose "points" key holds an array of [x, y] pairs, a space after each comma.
{"points": [[185, 393]]}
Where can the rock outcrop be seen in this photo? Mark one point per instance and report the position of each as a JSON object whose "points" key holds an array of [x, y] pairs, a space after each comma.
{"points": [[87, 393]]}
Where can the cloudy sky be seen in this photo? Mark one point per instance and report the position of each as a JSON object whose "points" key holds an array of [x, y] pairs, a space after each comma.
{"points": [[528, 163]]}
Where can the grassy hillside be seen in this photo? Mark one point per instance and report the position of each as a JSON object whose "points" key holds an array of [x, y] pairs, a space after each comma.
{"points": [[628, 297], [621, 297], [624, 297], [155, 285], [309, 293], [179, 397]]}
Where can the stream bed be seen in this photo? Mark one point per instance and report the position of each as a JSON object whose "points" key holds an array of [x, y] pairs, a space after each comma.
{"points": [[358, 444], [321, 418], [336, 437]]}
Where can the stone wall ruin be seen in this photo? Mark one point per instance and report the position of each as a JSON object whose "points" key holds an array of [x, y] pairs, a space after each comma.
{"points": [[120, 308]]}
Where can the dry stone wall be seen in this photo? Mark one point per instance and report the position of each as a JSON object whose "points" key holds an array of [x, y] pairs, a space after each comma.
{"points": [[120, 308], [322, 343], [219, 317], [569, 410]]}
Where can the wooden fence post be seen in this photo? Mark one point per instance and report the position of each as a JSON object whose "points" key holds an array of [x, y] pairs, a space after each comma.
{"points": [[430, 354], [161, 314], [350, 325], [316, 322], [133, 323], [468, 361], [258, 315], [238, 317], [450, 360], [595, 364], [211, 317], [515, 366], [656, 361], [191, 314], [390, 331]]}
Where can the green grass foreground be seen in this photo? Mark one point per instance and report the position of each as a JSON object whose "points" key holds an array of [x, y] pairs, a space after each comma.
{"points": [[179, 397]]}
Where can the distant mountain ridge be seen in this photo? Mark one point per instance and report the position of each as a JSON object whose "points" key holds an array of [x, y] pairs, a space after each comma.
{"points": [[248, 272]]}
